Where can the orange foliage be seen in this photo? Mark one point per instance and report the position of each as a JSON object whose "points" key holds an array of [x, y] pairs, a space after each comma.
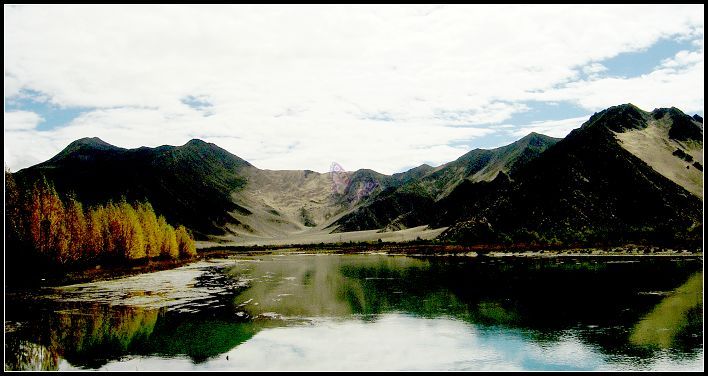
{"points": [[65, 233], [185, 242]]}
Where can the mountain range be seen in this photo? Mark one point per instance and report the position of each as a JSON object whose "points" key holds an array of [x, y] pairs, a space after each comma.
{"points": [[624, 175]]}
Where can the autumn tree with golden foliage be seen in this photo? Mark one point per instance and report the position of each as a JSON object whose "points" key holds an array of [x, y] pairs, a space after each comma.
{"points": [[76, 230], [169, 248], [148, 222], [185, 242], [46, 222], [64, 233]]}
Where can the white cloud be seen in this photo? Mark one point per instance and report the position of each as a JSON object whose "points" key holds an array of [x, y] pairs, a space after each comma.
{"points": [[27, 148], [298, 87], [399, 342], [390, 342], [680, 86], [683, 59], [21, 120], [18, 127], [553, 128], [593, 70]]}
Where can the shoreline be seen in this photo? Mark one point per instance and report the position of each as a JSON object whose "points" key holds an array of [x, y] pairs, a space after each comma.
{"points": [[110, 272], [95, 273], [488, 250]]}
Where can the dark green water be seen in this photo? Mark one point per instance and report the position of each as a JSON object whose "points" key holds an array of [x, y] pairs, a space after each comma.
{"points": [[370, 312]]}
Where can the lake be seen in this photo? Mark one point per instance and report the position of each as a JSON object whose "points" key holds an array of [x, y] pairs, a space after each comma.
{"points": [[370, 312]]}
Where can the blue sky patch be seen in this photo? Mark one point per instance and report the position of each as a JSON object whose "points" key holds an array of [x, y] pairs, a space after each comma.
{"points": [[633, 64], [200, 104], [547, 111], [378, 116], [54, 116], [537, 111]]}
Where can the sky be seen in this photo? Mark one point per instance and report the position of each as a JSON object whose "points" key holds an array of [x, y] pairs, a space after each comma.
{"points": [[385, 87]]}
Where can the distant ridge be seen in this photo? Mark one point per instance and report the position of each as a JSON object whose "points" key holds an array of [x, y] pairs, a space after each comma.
{"points": [[623, 175]]}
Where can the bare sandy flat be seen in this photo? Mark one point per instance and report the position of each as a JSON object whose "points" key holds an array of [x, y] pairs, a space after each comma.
{"points": [[315, 236]]}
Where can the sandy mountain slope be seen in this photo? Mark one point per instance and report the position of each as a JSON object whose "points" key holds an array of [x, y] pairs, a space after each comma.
{"points": [[654, 146]]}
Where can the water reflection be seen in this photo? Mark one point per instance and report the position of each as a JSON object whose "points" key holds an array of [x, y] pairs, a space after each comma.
{"points": [[23, 355], [370, 312], [665, 324], [311, 286], [84, 336]]}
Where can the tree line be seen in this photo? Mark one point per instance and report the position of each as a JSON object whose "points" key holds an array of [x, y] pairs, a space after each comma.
{"points": [[42, 225]]}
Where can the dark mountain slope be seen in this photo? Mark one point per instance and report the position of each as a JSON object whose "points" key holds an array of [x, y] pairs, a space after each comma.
{"points": [[414, 173], [189, 184], [393, 208], [412, 203], [484, 164], [587, 187]]}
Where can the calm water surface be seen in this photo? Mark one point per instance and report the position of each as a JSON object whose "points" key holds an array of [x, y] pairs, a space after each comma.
{"points": [[369, 312]]}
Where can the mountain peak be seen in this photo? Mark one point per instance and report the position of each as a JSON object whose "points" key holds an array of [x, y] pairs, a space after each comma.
{"points": [[628, 106], [658, 113], [619, 118], [534, 136], [683, 127], [196, 142], [91, 141], [83, 148], [202, 148]]}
